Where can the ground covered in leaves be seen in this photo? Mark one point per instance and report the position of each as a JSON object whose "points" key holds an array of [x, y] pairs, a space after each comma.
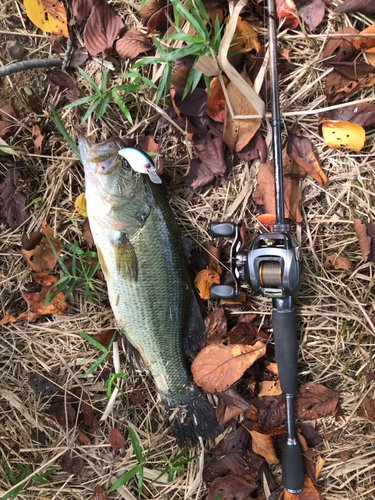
{"points": [[54, 440]]}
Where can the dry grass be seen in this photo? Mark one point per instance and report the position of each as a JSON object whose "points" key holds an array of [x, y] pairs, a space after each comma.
{"points": [[334, 308]]}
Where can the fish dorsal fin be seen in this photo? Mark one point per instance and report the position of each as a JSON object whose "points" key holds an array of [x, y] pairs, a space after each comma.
{"points": [[126, 258]]}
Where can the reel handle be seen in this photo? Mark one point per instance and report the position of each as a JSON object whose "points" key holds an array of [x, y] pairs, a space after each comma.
{"points": [[285, 337]]}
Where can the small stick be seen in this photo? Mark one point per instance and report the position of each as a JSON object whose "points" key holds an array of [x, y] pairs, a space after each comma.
{"points": [[32, 64], [55, 448]]}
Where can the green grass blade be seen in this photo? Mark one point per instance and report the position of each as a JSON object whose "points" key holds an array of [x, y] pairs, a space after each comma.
{"points": [[129, 87], [202, 10], [135, 444], [70, 288], [61, 284], [90, 110], [185, 38], [122, 106], [103, 105], [41, 477], [89, 80], [63, 266], [197, 24], [103, 83], [93, 271], [60, 127], [163, 83], [149, 60], [125, 478], [98, 362], [93, 342], [84, 100], [140, 480]]}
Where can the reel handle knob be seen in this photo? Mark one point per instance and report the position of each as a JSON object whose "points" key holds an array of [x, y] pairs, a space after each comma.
{"points": [[223, 229], [225, 292]]}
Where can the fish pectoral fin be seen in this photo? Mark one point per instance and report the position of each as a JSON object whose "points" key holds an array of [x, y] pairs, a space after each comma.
{"points": [[126, 258], [134, 356], [195, 334]]}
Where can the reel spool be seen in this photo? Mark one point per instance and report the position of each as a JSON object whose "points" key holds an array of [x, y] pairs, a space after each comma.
{"points": [[270, 274]]}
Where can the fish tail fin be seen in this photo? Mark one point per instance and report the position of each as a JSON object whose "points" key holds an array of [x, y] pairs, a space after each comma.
{"points": [[191, 416]]}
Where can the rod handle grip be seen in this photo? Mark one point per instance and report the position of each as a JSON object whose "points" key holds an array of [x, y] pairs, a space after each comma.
{"points": [[292, 468], [285, 336]]}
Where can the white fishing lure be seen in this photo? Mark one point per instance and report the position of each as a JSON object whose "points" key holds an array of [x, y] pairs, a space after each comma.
{"points": [[140, 163]]}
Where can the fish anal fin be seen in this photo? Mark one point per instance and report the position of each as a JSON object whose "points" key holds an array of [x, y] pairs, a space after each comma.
{"points": [[126, 258], [195, 334]]}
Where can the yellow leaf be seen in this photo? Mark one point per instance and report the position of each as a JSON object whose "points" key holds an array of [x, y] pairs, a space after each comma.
{"points": [[344, 135], [269, 388], [246, 38], [48, 15], [203, 281], [80, 205]]}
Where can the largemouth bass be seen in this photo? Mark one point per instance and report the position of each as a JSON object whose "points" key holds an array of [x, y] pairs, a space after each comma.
{"points": [[141, 254]]}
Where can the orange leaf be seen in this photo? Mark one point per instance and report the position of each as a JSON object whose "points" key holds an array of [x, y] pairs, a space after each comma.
{"points": [[246, 38], [82, 438], [343, 135], [263, 445], [41, 259], [337, 262], [309, 492], [363, 42], [203, 281], [216, 105], [269, 388], [285, 11], [272, 367], [37, 139], [267, 220], [218, 366]]}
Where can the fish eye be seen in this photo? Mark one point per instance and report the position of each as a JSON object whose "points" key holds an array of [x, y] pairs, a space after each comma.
{"points": [[126, 164]]}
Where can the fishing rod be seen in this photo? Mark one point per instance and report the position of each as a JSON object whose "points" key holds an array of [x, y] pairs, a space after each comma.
{"points": [[273, 266]]}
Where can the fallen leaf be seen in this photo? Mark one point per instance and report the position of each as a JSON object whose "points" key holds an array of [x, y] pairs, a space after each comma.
{"points": [[271, 367], [216, 104], [81, 10], [335, 82], [337, 262], [42, 259], [147, 144], [193, 104], [263, 445], [37, 138], [234, 454], [63, 413], [72, 463], [207, 66], [217, 367], [365, 42], [311, 436], [136, 396], [216, 327], [6, 112], [266, 221], [350, 69], [102, 29], [66, 83], [364, 6], [230, 404], [271, 412], [315, 401], [48, 15], [230, 488], [151, 7], [157, 18], [343, 135], [37, 301], [14, 202], [80, 205], [352, 87], [238, 133], [340, 47], [131, 44], [269, 388], [301, 150], [79, 57], [243, 333], [311, 460], [362, 114], [39, 437], [311, 12], [180, 71], [86, 234], [197, 175], [285, 11], [203, 282], [212, 256], [345, 455], [367, 409], [41, 385], [245, 38], [82, 438], [56, 42], [116, 439], [256, 148], [99, 494], [309, 492], [105, 337], [209, 148]]}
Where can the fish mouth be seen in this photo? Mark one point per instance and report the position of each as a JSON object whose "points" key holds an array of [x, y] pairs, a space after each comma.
{"points": [[102, 160]]}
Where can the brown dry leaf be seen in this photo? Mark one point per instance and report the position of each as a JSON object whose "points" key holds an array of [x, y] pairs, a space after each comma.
{"points": [[301, 150], [365, 233], [367, 409], [230, 488], [102, 29], [86, 234], [285, 11], [216, 327], [362, 114], [72, 463], [311, 460], [353, 86], [271, 412], [56, 42], [37, 139], [364, 6], [147, 144], [363, 42], [238, 133], [99, 494], [217, 367], [157, 18], [14, 202], [81, 10], [132, 44], [65, 82], [345, 455], [136, 396], [343, 135], [269, 388], [245, 38], [351, 69], [79, 57], [334, 83], [256, 148], [315, 401], [240, 299], [309, 492], [264, 446], [371, 58], [230, 404], [340, 47], [42, 259], [203, 282], [82, 438], [244, 333], [197, 175], [116, 439], [337, 262], [216, 104], [6, 112], [212, 256], [151, 7], [80, 205], [271, 367], [311, 12]]}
